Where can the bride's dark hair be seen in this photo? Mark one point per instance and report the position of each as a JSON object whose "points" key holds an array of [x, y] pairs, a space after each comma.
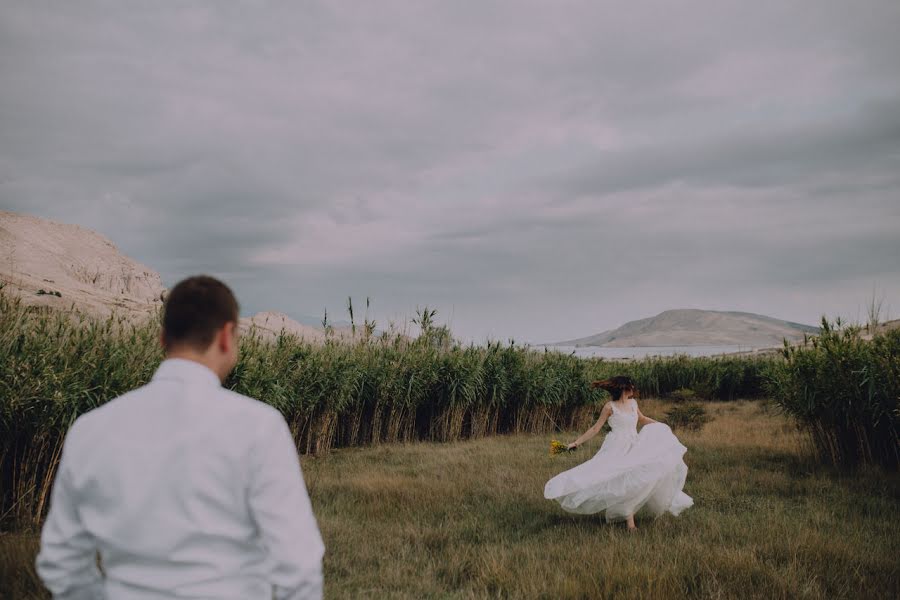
{"points": [[615, 385]]}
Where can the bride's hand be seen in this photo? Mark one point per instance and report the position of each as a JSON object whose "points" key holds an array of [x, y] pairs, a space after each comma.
{"points": [[572, 446]]}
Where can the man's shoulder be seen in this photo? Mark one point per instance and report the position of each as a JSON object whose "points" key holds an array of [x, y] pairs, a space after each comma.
{"points": [[228, 404], [247, 405], [98, 413], [259, 421], [100, 417]]}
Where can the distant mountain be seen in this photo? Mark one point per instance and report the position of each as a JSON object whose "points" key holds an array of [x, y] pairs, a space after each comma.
{"points": [[317, 321], [270, 324], [692, 327], [882, 328]]}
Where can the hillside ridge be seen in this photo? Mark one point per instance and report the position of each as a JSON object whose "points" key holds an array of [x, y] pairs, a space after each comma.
{"points": [[698, 327]]}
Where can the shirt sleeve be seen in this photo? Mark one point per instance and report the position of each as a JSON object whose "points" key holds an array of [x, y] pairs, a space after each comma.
{"points": [[282, 511], [67, 561]]}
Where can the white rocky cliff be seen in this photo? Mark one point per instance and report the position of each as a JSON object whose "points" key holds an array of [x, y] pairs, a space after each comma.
{"points": [[61, 266]]}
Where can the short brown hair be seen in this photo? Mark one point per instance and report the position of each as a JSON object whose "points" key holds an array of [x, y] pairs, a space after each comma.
{"points": [[196, 308]]}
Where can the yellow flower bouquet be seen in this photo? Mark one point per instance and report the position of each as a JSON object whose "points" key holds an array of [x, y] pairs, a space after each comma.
{"points": [[557, 447]]}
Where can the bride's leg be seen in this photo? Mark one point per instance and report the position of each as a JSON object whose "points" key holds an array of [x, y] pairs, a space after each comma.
{"points": [[631, 525]]}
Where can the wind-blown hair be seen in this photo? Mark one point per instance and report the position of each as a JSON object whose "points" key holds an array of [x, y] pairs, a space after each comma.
{"points": [[616, 385]]}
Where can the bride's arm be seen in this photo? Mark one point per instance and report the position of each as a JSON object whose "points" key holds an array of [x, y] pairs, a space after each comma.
{"points": [[643, 419], [604, 415]]}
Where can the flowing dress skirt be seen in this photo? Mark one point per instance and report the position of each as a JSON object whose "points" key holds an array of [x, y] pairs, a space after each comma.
{"points": [[630, 472]]}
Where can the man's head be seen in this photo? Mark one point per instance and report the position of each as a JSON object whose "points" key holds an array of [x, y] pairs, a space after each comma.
{"points": [[200, 320]]}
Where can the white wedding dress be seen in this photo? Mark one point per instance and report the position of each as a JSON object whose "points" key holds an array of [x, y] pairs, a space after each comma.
{"points": [[631, 471]]}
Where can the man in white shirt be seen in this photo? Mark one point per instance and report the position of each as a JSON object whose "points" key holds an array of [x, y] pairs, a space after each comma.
{"points": [[185, 489]]}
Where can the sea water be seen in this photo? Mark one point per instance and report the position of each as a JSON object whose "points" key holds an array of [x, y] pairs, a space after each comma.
{"points": [[644, 351]]}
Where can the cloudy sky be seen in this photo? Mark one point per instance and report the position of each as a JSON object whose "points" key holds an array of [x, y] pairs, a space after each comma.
{"points": [[536, 170]]}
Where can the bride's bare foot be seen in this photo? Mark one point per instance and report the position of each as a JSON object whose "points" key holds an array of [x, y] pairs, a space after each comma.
{"points": [[631, 525]]}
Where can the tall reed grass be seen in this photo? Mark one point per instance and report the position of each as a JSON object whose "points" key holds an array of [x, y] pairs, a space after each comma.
{"points": [[56, 366], [845, 391], [711, 378]]}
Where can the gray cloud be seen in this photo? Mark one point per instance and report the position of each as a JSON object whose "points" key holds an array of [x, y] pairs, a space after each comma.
{"points": [[749, 159], [536, 170]]}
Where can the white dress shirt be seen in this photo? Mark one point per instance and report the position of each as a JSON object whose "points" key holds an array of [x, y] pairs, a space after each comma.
{"points": [[186, 490]]}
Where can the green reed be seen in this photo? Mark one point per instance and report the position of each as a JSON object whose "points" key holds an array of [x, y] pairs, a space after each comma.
{"points": [[711, 378], [56, 366], [845, 391]]}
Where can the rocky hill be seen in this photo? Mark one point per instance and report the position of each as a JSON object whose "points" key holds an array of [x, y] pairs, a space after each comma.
{"points": [[270, 324], [882, 328], [691, 327], [68, 267], [61, 266]]}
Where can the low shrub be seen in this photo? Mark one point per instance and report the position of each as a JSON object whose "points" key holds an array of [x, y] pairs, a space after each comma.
{"points": [[690, 415], [683, 395]]}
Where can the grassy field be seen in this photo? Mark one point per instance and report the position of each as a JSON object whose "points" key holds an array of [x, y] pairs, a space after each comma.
{"points": [[55, 366], [468, 520]]}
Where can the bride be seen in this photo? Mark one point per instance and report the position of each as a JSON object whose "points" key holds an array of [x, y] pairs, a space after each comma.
{"points": [[631, 470]]}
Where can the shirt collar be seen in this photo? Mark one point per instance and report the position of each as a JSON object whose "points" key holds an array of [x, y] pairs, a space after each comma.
{"points": [[181, 369]]}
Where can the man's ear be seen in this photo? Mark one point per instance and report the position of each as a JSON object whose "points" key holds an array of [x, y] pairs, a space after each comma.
{"points": [[226, 337]]}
